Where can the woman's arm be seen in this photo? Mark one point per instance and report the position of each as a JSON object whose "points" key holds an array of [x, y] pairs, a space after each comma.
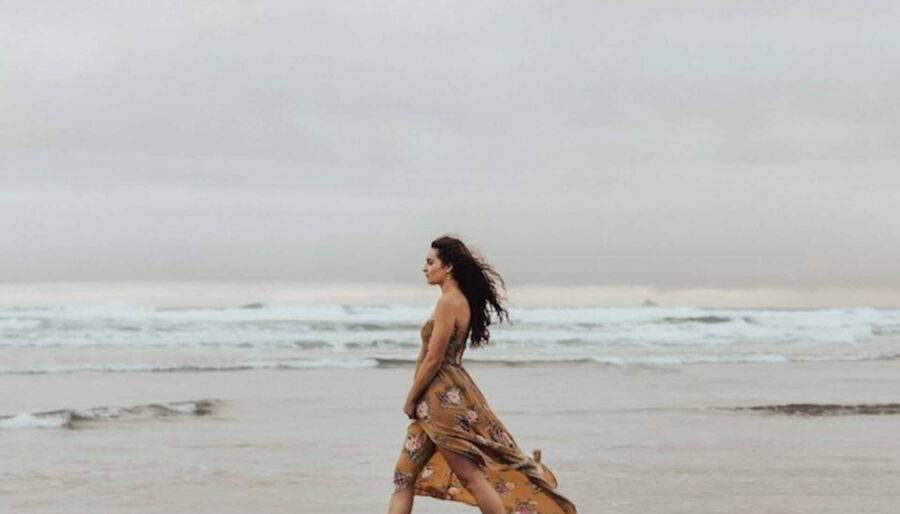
{"points": [[437, 347], [419, 361]]}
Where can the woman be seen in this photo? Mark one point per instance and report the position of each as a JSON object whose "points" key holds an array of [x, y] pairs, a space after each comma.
{"points": [[456, 448]]}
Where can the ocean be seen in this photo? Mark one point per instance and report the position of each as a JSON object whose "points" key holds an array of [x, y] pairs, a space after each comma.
{"points": [[122, 337]]}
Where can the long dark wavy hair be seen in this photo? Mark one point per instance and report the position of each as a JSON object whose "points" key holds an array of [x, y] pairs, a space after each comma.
{"points": [[478, 281]]}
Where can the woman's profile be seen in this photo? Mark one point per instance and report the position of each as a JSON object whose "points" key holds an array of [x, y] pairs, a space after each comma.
{"points": [[455, 447]]}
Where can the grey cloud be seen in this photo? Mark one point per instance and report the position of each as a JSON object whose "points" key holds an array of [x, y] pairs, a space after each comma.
{"points": [[697, 143]]}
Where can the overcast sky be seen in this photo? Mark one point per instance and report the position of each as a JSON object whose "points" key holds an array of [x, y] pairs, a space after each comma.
{"points": [[668, 144]]}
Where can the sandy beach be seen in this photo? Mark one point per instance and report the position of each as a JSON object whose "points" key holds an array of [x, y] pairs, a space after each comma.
{"points": [[620, 439]]}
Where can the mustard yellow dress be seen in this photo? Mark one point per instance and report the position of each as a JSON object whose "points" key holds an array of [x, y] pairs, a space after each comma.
{"points": [[453, 415]]}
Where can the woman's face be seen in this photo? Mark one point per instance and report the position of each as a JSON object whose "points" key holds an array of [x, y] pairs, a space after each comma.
{"points": [[435, 272]]}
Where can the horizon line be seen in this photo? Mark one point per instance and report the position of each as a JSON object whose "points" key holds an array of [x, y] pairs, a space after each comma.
{"points": [[233, 293]]}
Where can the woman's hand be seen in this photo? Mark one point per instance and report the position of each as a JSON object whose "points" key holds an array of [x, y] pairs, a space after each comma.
{"points": [[409, 408]]}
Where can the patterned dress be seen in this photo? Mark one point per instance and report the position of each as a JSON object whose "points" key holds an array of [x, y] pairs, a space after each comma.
{"points": [[453, 415]]}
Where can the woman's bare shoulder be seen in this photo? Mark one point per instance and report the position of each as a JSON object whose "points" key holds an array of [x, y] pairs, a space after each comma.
{"points": [[456, 306], [454, 300]]}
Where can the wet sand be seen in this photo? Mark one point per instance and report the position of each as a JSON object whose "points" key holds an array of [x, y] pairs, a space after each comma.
{"points": [[620, 440]]}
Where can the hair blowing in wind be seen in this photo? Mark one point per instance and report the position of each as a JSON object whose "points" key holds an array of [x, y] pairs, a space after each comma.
{"points": [[478, 281]]}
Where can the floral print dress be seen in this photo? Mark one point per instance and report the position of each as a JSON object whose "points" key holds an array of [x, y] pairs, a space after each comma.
{"points": [[453, 415]]}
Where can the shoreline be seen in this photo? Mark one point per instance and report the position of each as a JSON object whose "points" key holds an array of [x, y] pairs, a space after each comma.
{"points": [[25, 388]]}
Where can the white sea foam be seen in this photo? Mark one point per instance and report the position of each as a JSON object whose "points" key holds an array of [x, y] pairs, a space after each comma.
{"points": [[69, 418], [188, 367], [669, 360], [119, 337], [26, 420]]}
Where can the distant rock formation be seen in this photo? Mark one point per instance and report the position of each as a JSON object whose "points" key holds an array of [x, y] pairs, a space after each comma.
{"points": [[649, 303], [258, 305]]}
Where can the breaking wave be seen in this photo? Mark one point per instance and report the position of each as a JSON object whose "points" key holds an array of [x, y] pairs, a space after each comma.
{"points": [[77, 418], [126, 338]]}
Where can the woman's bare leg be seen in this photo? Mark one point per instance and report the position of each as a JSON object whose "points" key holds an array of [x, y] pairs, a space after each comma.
{"points": [[471, 478], [401, 502]]}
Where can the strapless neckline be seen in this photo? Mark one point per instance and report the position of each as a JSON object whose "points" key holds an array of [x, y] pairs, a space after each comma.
{"points": [[453, 333]]}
